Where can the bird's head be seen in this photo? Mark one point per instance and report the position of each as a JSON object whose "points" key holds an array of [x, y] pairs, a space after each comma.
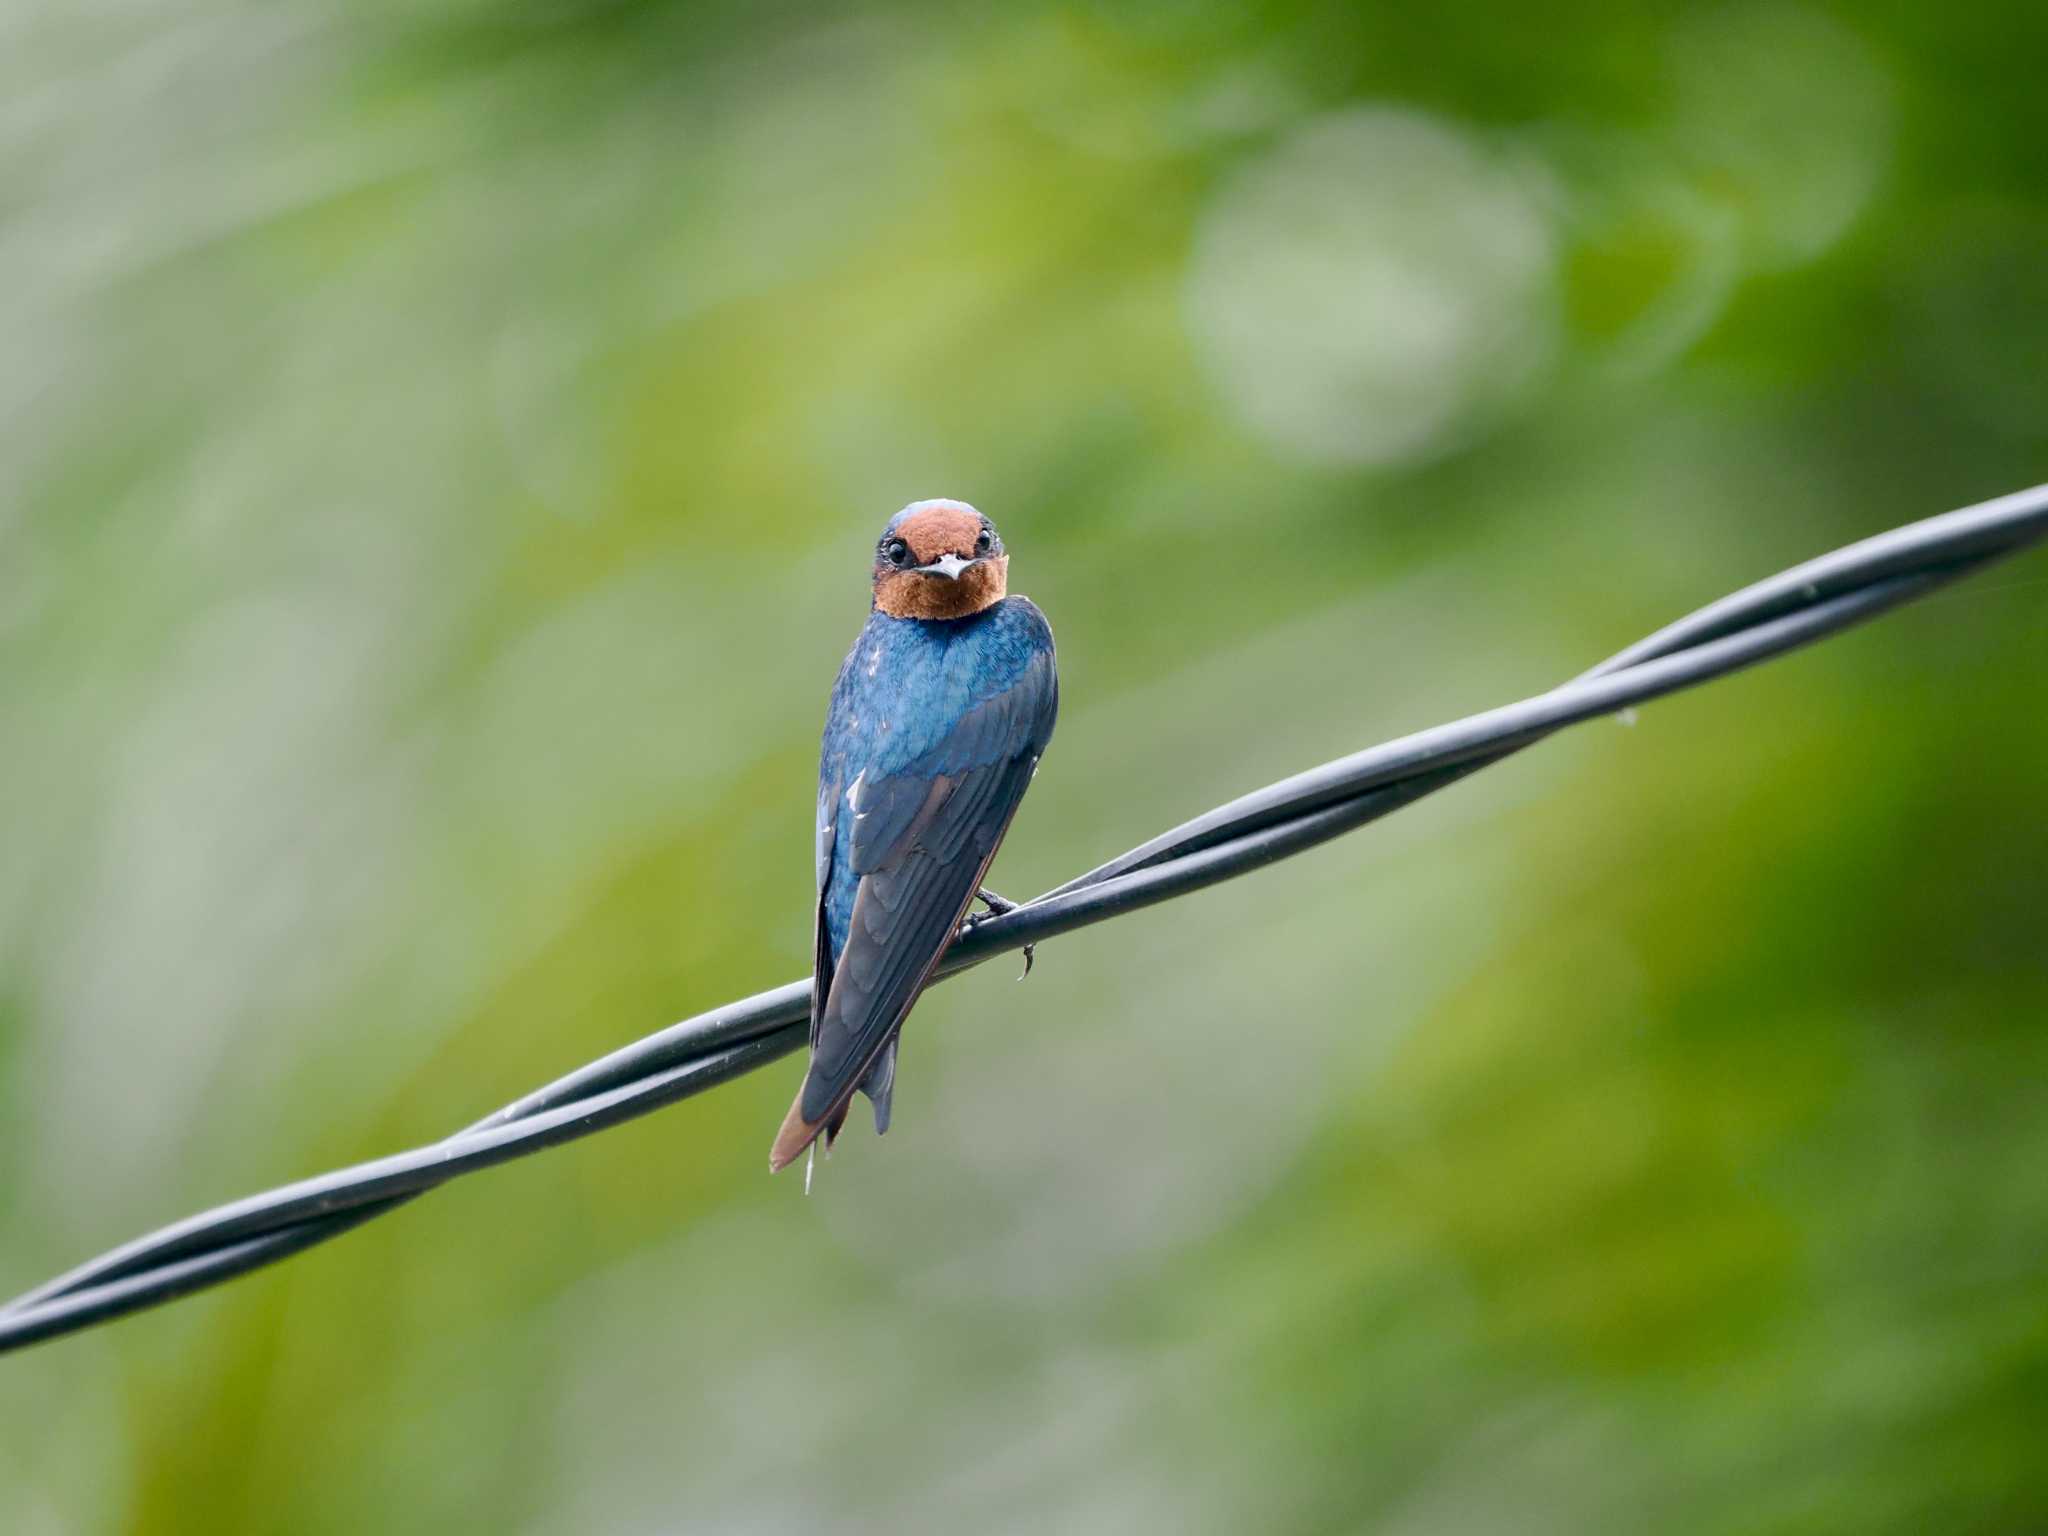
{"points": [[939, 560]]}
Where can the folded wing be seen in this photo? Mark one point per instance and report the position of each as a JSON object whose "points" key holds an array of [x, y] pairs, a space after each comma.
{"points": [[920, 839]]}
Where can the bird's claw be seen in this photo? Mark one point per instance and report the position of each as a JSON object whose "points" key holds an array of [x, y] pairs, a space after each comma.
{"points": [[997, 906]]}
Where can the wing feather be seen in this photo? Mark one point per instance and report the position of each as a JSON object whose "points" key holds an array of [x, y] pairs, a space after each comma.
{"points": [[903, 917], [921, 840]]}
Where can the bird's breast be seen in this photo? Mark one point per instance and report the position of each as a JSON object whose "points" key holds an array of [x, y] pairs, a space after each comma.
{"points": [[907, 683]]}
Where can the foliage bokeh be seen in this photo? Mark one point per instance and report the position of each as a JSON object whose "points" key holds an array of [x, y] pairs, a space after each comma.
{"points": [[439, 447]]}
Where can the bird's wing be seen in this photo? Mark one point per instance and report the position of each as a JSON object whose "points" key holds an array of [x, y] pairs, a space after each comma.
{"points": [[904, 914], [921, 839]]}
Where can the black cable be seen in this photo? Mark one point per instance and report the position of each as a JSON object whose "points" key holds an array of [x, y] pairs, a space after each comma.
{"points": [[1788, 610]]}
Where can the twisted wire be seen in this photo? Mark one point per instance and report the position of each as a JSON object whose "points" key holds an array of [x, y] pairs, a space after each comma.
{"points": [[1791, 609]]}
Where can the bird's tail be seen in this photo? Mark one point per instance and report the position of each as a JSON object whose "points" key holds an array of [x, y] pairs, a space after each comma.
{"points": [[880, 1084], [798, 1133]]}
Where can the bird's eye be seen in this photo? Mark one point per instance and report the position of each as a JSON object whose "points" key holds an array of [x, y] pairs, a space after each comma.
{"points": [[897, 552], [986, 542]]}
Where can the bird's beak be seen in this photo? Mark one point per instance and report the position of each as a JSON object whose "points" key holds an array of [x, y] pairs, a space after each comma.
{"points": [[948, 566]]}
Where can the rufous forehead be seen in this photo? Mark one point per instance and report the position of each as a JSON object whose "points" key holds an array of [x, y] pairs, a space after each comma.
{"points": [[937, 531]]}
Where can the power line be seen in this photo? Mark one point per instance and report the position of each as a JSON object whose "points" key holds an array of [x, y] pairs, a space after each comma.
{"points": [[1791, 609]]}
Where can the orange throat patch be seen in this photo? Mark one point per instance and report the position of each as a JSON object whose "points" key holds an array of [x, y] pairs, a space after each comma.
{"points": [[908, 595]]}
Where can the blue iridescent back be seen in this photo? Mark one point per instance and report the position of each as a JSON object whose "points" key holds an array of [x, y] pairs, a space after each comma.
{"points": [[897, 708]]}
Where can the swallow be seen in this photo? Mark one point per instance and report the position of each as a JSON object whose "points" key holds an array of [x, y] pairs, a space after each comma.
{"points": [[940, 714]]}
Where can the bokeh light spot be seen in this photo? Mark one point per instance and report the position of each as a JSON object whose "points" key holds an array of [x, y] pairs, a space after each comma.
{"points": [[1374, 289]]}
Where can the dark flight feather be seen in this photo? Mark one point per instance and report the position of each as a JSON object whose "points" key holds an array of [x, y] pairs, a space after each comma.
{"points": [[919, 835]]}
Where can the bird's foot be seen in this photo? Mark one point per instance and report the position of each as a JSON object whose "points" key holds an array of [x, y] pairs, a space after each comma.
{"points": [[997, 906]]}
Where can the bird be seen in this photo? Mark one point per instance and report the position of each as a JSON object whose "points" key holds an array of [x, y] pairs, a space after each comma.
{"points": [[937, 722]]}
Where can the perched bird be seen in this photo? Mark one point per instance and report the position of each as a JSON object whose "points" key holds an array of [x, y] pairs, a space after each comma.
{"points": [[940, 714]]}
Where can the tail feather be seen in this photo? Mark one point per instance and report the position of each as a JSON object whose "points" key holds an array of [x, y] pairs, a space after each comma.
{"points": [[880, 1084], [798, 1133]]}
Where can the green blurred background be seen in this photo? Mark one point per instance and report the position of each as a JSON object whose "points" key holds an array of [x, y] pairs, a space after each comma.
{"points": [[440, 449]]}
